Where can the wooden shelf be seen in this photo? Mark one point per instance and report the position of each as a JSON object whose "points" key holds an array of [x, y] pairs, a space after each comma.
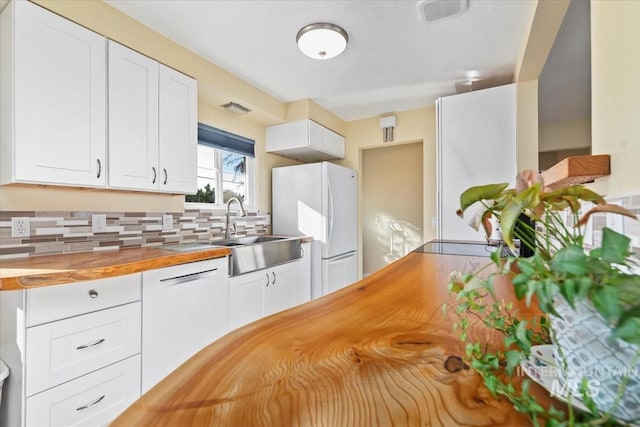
{"points": [[576, 170]]}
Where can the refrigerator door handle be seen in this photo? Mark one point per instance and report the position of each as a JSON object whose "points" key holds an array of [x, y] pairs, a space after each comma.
{"points": [[330, 211]]}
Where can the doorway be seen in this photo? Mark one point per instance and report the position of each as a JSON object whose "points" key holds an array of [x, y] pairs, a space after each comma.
{"points": [[392, 203]]}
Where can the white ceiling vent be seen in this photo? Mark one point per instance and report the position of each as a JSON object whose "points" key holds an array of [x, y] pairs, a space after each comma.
{"points": [[435, 10]]}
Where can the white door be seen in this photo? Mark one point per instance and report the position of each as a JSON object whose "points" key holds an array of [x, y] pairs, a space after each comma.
{"points": [[60, 100], [283, 291], [339, 272], [133, 119], [340, 210], [476, 146], [178, 132], [246, 294]]}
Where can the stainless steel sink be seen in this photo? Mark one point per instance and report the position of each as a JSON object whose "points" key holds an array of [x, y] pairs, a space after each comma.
{"points": [[258, 252], [250, 253]]}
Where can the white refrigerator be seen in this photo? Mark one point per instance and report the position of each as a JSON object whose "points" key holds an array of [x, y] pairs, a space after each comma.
{"points": [[320, 200], [476, 145]]}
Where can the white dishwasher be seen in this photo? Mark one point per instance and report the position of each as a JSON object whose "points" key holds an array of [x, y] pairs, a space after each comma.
{"points": [[185, 308]]}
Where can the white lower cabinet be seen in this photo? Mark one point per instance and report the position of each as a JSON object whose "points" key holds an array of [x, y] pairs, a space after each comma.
{"points": [[73, 351], [93, 399], [184, 309], [245, 298], [263, 292], [60, 351], [81, 353]]}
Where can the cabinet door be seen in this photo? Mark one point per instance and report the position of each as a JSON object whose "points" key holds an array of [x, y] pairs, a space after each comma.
{"points": [[178, 132], [283, 290], [133, 119], [326, 140], [90, 400], [185, 308], [246, 295], [305, 273], [60, 100]]}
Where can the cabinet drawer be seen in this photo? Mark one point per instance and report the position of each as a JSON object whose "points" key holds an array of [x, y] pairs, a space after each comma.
{"points": [[61, 351], [94, 399], [61, 301]]}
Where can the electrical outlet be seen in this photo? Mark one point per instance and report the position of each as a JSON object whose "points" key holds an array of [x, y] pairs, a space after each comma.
{"points": [[98, 223], [167, 222], [20, 227]]}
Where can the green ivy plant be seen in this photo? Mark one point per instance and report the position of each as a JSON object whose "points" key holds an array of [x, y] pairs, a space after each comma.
{"points": [[559, 267]]}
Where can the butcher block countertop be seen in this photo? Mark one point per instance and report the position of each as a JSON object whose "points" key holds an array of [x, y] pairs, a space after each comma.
{"points": [[379, 352], [25, 273]]}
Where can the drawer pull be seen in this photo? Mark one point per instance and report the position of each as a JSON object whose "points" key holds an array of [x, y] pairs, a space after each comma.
{"points": [[91, 344], [93, 293], [89, 405]]}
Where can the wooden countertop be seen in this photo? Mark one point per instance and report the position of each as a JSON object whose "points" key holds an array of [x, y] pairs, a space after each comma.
{"points": [[32, 272], [24, 273], [374, 353]]}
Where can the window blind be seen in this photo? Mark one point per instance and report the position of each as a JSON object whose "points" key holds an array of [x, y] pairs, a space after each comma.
{"points": [[218, 138]]}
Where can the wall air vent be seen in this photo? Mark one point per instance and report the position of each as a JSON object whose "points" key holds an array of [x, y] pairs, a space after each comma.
{"points": [[435, 10]]}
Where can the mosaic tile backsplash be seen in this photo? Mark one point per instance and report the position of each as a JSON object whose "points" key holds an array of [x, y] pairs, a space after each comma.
{"points": [[70, 232], [627, 226]]}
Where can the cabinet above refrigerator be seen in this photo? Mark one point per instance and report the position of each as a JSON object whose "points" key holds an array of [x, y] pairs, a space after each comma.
{"points": [[305, 141]]}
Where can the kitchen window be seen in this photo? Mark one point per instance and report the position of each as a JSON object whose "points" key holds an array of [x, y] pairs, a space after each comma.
{"points": [[225, 168]]}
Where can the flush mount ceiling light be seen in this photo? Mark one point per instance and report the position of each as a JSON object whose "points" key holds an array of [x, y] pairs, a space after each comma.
{"points": [[234, 108], [322, 40]]}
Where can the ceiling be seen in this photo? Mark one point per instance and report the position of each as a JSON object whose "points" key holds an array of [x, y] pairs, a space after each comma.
{"points": [[394, 62]]}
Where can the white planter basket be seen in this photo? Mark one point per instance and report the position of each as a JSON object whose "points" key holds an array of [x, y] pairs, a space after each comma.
{"points": [[582, 337]]}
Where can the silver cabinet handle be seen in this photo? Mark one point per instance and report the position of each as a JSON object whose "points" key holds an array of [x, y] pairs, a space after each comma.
{"points": [[91, 344], [267, 276], [93, 293], [89, 405], [155, 174], [187, 278], [99, 168], [273, 273], [166, 176]]}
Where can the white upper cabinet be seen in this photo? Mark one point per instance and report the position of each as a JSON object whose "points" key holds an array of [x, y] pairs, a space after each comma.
{"points": [[53, 107], [305, 140], [178, 132], [153, 124], [133, 119]]}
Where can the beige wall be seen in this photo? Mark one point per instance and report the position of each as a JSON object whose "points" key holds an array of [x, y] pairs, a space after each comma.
{"points": [[559, 136], [615, 92], [392, 203]]}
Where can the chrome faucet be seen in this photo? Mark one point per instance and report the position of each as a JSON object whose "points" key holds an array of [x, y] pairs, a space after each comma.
{"points": [[243, 212]]}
